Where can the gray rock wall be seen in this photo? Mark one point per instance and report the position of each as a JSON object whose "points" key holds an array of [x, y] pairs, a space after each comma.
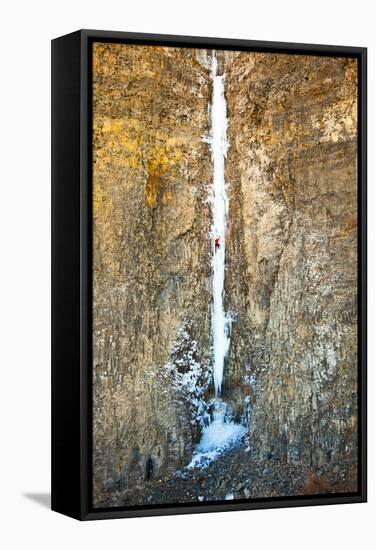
{"points": [[292, 264]]}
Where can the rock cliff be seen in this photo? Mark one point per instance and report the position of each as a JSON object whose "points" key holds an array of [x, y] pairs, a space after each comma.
{"points": [[151, 172], [291, 253], [292, 267]]}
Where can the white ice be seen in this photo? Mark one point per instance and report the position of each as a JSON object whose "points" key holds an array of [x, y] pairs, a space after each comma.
{"points": [[220, 435], [219, 145]]}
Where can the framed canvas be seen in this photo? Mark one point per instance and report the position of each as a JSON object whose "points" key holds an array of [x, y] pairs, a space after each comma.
{"points": [[208, 274]]}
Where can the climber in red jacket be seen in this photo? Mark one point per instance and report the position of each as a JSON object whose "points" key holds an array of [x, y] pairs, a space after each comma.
{"points": [[216, 243]]}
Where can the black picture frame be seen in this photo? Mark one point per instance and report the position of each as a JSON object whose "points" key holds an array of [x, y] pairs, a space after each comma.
{"points": [[72, 277]]}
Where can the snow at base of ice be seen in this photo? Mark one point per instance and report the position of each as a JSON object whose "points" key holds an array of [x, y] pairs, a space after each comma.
{"points": [[219, 436], [202, 459]]}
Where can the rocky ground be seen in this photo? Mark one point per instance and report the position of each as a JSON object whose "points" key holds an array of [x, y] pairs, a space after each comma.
{"points": [[236, 475]]}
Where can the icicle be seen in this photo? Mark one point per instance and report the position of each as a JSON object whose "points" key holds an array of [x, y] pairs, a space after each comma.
{"points": [[219, 145]]}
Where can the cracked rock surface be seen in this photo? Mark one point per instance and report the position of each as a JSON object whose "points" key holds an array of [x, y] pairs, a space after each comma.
{"points": [[290, 279]]}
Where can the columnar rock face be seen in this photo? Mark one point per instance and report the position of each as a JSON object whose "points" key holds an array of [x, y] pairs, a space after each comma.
{"points": [[151, 172], [290, 271], [291, 277]]}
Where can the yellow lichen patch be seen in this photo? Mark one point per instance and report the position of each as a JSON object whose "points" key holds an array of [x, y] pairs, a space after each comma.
{"points": [[157, 166], [121, 141], [126, 143], [116, 126], [151, 191], [158, 161], [167, 197], [133, 146], [162, 158]]}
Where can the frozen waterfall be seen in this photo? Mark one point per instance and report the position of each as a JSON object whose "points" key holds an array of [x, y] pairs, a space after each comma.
{"points": [[218, 142], [222, 432]]}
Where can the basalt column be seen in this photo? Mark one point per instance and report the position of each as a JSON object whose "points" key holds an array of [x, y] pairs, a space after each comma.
{"points": [[291, 255], [151, 174]]}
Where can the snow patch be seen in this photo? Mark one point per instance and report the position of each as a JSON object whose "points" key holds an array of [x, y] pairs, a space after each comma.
{"points": [[188, 376], [218, 437], [219, 434]]}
